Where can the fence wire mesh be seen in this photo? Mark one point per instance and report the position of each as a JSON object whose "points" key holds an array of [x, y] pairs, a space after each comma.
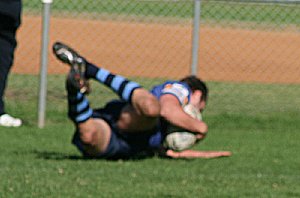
{"points": [[246, 44]]}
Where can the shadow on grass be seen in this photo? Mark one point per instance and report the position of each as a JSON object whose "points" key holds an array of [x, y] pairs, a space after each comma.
{"points": [[52, 155]]}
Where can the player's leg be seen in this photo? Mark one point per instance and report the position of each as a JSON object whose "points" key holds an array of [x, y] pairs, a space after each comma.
{"points": [[143, 102], [142, 114], [143, 108], [95, 136], [94, 133]]}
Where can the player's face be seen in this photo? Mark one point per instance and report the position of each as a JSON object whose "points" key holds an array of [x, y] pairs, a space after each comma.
{"points": [[197, 102], [202, 105]]}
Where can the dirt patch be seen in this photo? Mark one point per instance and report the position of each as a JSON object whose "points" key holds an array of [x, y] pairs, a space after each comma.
{"points": [[160, 50]]}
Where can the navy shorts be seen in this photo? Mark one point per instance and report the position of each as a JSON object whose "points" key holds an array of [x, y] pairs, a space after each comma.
{"points": [[121, 145]]}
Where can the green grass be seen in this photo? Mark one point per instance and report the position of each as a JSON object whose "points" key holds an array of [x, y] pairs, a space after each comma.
{"points": [[211, 10], [258, 123]]}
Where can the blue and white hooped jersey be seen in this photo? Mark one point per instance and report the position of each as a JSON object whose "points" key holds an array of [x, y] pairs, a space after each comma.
{"points": [[178, 89]]}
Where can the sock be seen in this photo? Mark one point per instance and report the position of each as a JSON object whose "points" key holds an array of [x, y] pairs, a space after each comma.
{"points": [[120, 85], [78, 107]]}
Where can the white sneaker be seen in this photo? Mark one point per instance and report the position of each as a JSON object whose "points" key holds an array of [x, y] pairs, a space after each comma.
{"points": [[9, 121]]}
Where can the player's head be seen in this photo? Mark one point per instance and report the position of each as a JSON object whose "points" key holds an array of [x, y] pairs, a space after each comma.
{"points": [[196, 85]]}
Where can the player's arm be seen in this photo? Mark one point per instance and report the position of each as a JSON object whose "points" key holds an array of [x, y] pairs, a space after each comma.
{"points": [[172, 111], [189, 154]]}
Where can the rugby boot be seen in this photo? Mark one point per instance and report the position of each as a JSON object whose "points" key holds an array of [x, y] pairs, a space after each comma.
{"points": [[76, 76]]}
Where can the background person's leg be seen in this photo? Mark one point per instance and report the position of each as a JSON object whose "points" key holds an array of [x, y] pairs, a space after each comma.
{"points": [[10, 20], [7, 47]]}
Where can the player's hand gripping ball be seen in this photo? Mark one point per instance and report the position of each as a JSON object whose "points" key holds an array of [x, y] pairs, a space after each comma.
{"points": [[179, 139]]}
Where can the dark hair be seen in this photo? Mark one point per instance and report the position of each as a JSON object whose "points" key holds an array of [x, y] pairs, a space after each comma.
{"points": [[196, 83]]}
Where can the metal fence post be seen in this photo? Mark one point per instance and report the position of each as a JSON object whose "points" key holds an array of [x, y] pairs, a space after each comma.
{"points": [[196, 31], [44, 63]]}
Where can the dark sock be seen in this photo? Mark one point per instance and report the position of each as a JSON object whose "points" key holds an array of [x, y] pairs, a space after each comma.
{"points": [[78, 106], [120, 85]]}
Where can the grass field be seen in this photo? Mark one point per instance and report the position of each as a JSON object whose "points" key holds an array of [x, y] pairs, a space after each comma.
{"points": [[258, 123]]}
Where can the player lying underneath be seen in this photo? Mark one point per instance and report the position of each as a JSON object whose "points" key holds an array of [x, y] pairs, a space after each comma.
{"points": [[136, 124]]}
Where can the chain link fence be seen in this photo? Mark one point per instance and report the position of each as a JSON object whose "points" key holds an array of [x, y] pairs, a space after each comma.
{"points": [[244, 46]]}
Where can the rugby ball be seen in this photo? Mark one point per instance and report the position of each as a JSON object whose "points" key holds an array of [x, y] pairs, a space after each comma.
{"points": [[179, 139]]}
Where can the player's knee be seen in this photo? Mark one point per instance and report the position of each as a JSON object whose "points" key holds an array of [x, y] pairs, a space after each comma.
{"points": [[152, 107], [87, 137], [87, 132]]}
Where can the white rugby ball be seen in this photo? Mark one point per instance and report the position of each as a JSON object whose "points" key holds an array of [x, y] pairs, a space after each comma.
{"points": [[179, 139]]}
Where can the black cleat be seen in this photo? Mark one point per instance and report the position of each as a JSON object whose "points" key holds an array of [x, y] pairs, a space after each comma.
{"points": [[66, 54], [77, 63]]}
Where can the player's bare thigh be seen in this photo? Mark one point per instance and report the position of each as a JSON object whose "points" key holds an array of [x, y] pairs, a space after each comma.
{"points": [[95, 134], [131, 121]]}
